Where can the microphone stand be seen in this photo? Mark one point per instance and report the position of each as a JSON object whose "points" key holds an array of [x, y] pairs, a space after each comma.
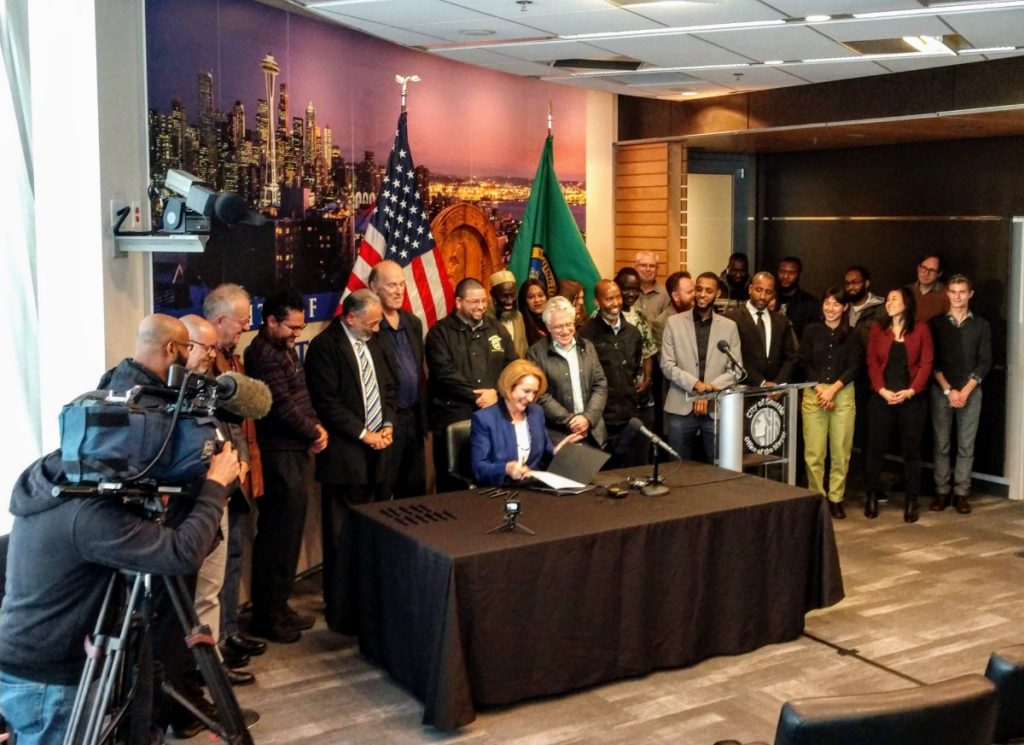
{"points": [[655, 486]]}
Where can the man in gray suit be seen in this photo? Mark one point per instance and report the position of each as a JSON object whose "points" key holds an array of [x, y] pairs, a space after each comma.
{"points": [[693, 364]]}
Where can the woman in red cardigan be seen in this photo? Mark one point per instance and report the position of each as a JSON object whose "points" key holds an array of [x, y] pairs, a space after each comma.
{"points": [[899, 359]]}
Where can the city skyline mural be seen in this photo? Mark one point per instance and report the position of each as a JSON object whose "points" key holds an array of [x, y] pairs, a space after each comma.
{"points": [[298, 116]]}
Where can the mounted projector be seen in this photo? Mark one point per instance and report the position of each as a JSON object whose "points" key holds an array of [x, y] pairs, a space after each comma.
{"points": [[187, 217]]}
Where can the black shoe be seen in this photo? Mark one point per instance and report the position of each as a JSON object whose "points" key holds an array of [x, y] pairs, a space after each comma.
{"points": [[186, 725], [961, 505], [939, 503], [232, 657], [871, 504], [910, 510], [836, 510], [297, 620], [275, 630], [240, 677], [245, 645]]}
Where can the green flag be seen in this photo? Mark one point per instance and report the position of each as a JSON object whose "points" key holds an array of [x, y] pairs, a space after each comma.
{"points": [[549, 226]]}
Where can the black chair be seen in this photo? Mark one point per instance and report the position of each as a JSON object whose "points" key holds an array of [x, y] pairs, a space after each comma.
{"points": [[1006, 670], [460, 460], [959, 711]]}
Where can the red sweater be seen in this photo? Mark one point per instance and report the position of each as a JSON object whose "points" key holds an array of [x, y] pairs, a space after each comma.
{"points": [[919, 355]]}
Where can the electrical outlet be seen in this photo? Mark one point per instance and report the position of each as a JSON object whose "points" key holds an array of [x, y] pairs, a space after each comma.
{"points": [[133, 221]]}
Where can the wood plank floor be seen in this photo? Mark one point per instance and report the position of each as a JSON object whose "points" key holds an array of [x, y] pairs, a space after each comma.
{"points": [[927, 601]]}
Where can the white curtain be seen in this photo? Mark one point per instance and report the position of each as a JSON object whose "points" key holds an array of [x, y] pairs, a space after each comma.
{"points": [[19, 363]]}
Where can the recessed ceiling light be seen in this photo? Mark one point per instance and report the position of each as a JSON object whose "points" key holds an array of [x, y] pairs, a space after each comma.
{"points": [[818, 18], [478, 32], [690, 93]]}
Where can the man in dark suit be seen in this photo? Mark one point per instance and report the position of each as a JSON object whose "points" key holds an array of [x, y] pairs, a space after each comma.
{"points": [[353, 394], [401, 336], [766, 338]]}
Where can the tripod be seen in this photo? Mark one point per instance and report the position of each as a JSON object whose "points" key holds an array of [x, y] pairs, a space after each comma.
{"points": [[110, 702]]}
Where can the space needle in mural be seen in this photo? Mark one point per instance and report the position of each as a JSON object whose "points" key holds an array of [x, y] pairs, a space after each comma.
{"points": [[269, 194]]}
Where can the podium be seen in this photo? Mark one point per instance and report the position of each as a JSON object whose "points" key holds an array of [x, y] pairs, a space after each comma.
{"points": [[758, 426]]}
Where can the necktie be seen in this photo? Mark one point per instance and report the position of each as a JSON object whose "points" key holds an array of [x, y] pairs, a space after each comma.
{"points": [[371, 394], [762, 330]]}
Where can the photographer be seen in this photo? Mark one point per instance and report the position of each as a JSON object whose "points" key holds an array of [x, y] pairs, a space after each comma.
{"points": [[61, 553]]}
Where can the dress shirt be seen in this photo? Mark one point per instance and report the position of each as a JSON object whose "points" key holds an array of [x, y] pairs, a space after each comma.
{"points": [[408, 370], [355, 350], [702, 328], [828, 354], [573, 359], [766, 320]]}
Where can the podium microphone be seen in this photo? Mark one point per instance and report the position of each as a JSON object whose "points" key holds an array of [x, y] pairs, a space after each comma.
{"points": [[724, 348], [637, 426]]}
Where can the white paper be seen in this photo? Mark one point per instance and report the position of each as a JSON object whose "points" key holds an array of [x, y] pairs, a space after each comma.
{"points": [[553, 480]]}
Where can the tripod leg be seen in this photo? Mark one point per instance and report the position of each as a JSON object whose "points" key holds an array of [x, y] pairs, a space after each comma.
{"points": [[94, 651], [231, 724]]}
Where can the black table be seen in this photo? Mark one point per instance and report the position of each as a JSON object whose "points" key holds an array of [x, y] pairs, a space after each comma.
{"points": [[724, 564]]}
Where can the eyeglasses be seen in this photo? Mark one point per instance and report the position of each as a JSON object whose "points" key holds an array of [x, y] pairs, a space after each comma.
{"points": [[297, 329], [928, 269], [208, 348], [562, 327]]}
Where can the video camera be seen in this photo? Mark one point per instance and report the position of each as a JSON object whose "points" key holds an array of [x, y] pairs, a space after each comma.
{"points": [[153, 434]]}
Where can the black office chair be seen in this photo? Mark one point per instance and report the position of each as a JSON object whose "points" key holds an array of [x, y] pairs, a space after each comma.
{"points": [[959, 711], [460, 458], [1006, 670]]}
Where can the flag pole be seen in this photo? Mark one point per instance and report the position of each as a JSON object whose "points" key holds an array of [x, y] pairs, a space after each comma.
{"points": [[549, 117], [405, 85]]}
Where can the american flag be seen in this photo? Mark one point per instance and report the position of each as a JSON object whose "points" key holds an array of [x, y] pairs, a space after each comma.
{"points": [[399, 231]]}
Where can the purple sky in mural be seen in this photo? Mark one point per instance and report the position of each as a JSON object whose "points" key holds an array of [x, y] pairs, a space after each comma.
{"points": [[463, 120]]}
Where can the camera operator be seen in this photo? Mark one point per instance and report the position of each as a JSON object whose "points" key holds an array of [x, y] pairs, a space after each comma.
{"points": [[61, 553]]}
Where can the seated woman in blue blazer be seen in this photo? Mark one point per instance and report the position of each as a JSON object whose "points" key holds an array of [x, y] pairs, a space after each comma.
{"points": [[509, 439]]}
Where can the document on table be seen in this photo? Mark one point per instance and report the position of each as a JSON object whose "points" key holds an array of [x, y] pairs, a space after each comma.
{"points": [[561, 483]]}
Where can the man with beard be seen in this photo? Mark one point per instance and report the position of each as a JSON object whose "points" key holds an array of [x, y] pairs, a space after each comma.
{"points": [[693, 364], [769, 344], [466, 351], [618, 348], [289, 436], [681, 290], [161, 341], [352, 391], [629, 285], [798, 305], [503, 293], [865, 309]]}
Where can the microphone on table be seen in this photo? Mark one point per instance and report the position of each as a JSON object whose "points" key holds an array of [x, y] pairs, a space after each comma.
{"points": [[637, 426], [724, 348]]}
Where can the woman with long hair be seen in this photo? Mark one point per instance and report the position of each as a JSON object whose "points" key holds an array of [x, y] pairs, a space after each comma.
{"points": [[899, 359], [533, 294], [831, 355]]}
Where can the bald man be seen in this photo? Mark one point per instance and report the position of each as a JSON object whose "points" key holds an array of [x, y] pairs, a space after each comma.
{"points": [[160, 342], [401, 338], [202, 343]]}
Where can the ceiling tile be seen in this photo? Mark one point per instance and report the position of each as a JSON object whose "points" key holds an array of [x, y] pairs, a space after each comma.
{"points": [[405, 13], [996, 29], [804, 8], [671, 51], [826, 72], [384, 31], [785, 43], [695, 14], [889, 28]]}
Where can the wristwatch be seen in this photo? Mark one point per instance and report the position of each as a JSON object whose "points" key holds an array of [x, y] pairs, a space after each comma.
{"points": [[945, 391]]}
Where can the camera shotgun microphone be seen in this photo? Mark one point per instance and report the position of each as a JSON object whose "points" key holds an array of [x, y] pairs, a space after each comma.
{"points": [[637, 426], [724, 348], [243, 396]]}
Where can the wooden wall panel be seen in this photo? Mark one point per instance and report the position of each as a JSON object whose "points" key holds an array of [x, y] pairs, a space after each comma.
{"points": [[647, 206]]}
